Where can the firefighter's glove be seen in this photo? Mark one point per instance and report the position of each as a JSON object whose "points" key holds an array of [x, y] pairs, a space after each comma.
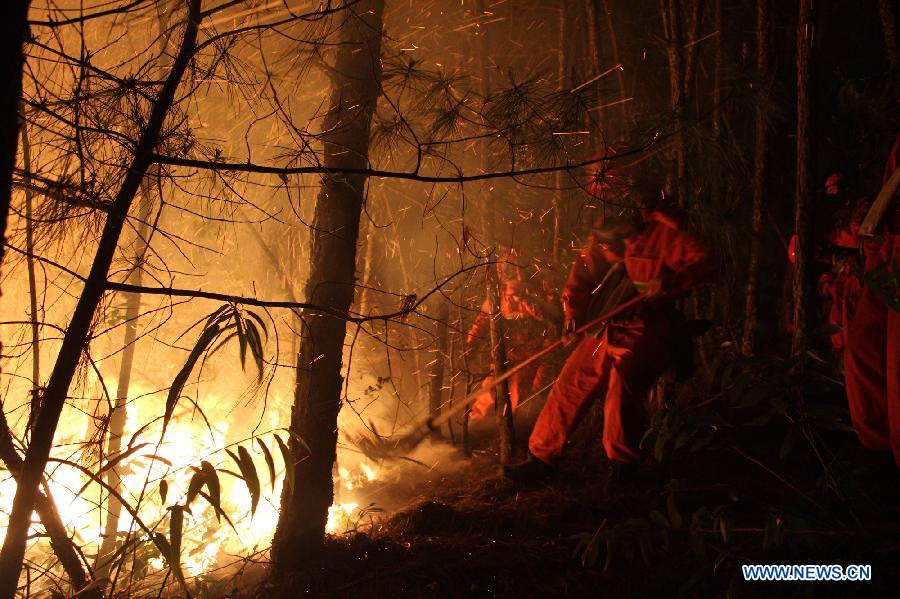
{"points": [[654, 289], [658, 292], [569, 336]]}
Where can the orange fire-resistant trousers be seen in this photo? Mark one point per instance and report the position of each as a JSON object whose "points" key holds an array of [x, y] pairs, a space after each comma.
{"points": [[623, 363], [845, 291], [872, 366]]}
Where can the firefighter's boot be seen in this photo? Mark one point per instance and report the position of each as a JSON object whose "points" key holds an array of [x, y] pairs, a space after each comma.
{"points": [[532, 470]]}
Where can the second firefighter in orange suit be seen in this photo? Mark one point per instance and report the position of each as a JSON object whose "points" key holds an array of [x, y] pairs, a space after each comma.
{"points": [[625, 360], [843, 240], [525, 334]]}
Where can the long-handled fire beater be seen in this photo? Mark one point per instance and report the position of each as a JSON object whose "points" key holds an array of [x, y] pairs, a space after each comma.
{"points": [[378, 447]]}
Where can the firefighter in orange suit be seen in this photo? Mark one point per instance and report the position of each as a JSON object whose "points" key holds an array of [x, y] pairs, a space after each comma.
{"points": [[842, 241], [624, 359], [525, 333], [872, 351]]}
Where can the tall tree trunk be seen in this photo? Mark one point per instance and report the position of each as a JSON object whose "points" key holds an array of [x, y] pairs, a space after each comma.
{"points": [[608, 129], [717, 71], [32, 284], [620, 77], [464, 352], [560, 176], [690, 48], [711, 293], [14, 32], [670, 13], [497, 330], [118, 414], [317, 401], [436, 384], [505, 430], [413, 341], [368, 232], [454, 375], [802, 205], [78, 332], [889, 28], [751, 310]]}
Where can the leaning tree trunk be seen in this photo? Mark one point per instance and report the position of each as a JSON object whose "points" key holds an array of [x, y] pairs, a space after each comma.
{"points": [[751, 315], [78, 332], [48, 512], [802, 205], [317, 401]]}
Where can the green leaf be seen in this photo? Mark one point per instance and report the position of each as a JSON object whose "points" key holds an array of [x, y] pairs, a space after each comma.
{"points": [[672, 509], [206, 338], [157, 458], [194, 487], [176, 527], [162, 543], [259, 319], [242, 337], [231, 473], [299, 440], [223, 340], [288, 462], [112, 462], [657, 516], [220, 513], [248, 470], [659, 447], [723, 528], [609, 554], [270, 463], [218, 315], [256, 347], [212, 483], [233, 456]]}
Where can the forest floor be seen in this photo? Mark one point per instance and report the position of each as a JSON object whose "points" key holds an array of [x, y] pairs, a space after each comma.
{"points": [[665, 533]]}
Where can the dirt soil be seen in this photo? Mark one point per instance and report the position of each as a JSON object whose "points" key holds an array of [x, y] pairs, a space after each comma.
{"points": [[471, 533]]}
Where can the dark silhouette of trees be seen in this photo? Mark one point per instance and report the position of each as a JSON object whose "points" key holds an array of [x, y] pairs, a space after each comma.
{"points": [[70, 353], [355, 89]]}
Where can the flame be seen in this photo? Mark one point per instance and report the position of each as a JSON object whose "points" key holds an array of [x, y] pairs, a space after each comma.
{"points": [[340, 517], [368, 471], [207, 542], [345, 515]]}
